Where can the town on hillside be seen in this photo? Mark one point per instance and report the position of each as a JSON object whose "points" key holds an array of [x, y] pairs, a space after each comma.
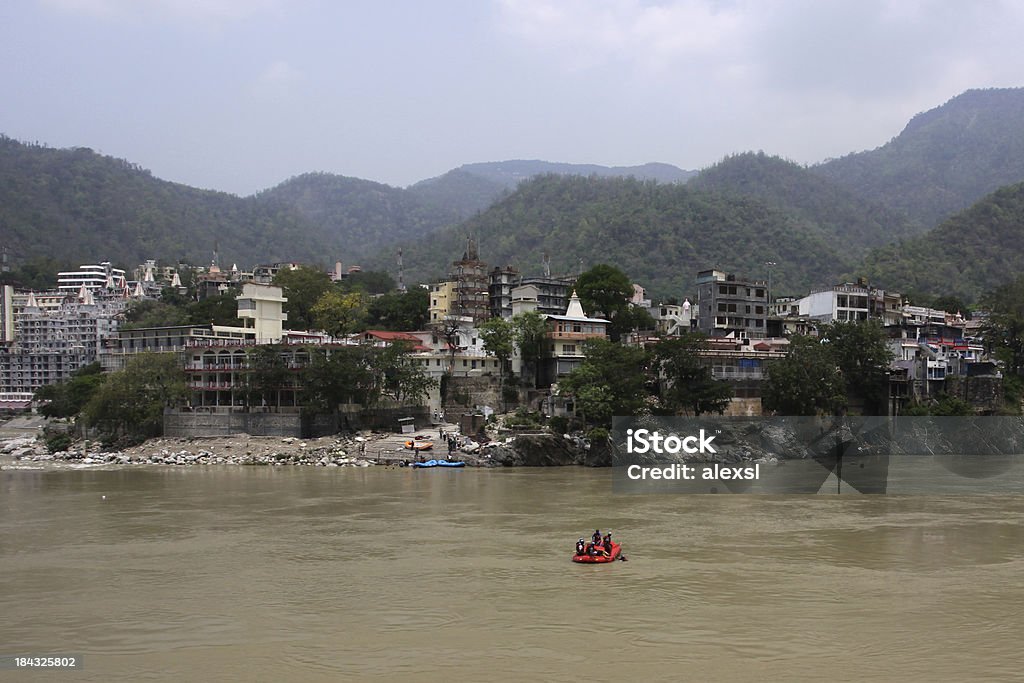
{"points": [[288, 349]]}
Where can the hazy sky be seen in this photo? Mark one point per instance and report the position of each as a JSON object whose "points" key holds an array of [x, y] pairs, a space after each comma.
{"points": [[238, 95]]}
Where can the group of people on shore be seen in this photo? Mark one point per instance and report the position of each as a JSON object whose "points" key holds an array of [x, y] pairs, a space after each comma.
{"points": [[598, 545]]}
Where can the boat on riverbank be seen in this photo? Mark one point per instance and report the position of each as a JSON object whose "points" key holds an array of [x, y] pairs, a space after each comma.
{"points": [[438, 463], [600, 559], [414, 445]]}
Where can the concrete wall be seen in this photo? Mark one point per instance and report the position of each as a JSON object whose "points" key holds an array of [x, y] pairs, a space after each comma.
{"points": [[465, 393], [186, 424], [355, 417]]}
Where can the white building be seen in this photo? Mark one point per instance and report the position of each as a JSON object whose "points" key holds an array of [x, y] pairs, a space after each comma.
{"points": [[92, 277]]}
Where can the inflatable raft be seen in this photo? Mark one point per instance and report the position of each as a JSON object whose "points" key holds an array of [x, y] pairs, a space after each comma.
{"points": [[599, 559], [439, 463]]}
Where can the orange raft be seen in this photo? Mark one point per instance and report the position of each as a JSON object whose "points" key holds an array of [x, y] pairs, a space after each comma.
{"points": [[598, 559], [419, 445]]}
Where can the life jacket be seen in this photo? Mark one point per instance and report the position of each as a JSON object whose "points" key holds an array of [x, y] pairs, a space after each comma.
{"points": [[580, 547]]}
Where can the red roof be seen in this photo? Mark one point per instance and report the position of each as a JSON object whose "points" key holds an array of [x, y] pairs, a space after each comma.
{"points": [[384, 335]]}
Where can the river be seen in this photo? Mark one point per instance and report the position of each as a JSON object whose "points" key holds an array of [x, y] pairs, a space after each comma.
{"points": [[339, 574]]}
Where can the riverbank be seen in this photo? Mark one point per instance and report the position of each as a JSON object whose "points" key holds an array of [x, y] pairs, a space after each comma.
{"points": [[362, 449]]}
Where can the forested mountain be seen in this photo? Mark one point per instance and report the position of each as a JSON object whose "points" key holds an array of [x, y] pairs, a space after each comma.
{"points": [[512, 172], [78, 206], [473, 187], [661, 235], [856, 223], [944, 160], [363, 215], [461, 191], [972, 252], [75, 205]]}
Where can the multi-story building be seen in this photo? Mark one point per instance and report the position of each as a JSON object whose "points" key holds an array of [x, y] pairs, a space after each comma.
{"points": [[851, 301], [49, 344], [673, 319], [565, 336], [260, 308], [470, 296], [731, 307], [92, 277], [440, 301]]}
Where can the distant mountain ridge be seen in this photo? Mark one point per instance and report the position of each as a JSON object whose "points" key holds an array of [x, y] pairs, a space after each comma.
{"points": [[510, 173], [814, 222], [944, 160], [856, 223], [660, 234], [973, 252]]}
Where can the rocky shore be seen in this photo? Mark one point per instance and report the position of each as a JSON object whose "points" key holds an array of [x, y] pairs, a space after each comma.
{"points": [[365, 449]]}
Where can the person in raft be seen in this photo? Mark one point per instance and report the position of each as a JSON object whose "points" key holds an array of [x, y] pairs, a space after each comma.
{"points": [[607, 543], [581, 547], [596, 538]]}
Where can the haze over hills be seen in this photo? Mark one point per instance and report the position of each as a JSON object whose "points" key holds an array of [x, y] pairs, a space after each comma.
{"points": [[660, 234], [815, 222], [944, 160], [77, 206], [975, 251], [856, 223]]}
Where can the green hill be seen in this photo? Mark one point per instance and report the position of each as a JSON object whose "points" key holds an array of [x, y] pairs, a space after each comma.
{"points": [[967, 255], [661, 235], [362, 215], [857, 224], [75, 205], [944, 160]]}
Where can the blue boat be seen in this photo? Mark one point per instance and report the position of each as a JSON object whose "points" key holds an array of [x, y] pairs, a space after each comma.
{"points": [[438, 463]]}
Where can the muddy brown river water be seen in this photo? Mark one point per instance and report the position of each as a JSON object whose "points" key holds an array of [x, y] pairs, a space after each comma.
{"points": [[343, 574]]}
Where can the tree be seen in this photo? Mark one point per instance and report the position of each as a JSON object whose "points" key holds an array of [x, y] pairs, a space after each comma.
{"points": [[267, 373], [530, 331], [610, 381], [605, 291], [67, 399], [805, 382], [397, 375], [688, 385], [860, 351], [369, 281], [400, 312], [128, 406], [339, 314], [499, 337], [154, 314], [221, 309], [335, 376], [1003, 330], [303, 287]]}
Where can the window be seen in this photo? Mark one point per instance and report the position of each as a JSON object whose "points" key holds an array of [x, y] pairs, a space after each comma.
{"points": [[569, 349], [748, 310], [721, 308], [722, 289], [760, 294], [758, 309], [732, 308]]}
